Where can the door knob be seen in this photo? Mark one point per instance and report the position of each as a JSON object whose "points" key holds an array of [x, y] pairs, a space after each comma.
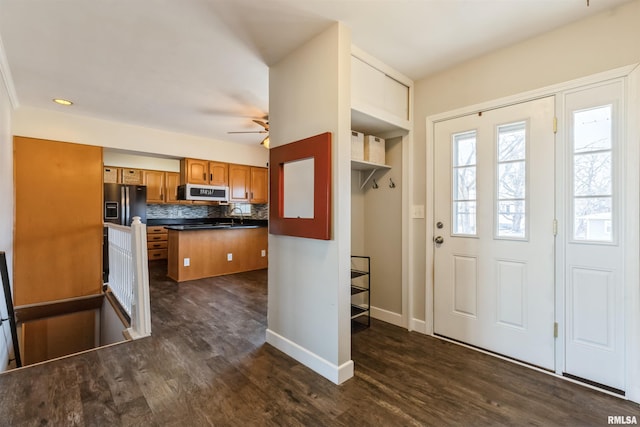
{"points": [[439, 240]]}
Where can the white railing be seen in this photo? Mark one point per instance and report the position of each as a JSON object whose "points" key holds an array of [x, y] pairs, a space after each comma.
{"points": [[129, 274]]}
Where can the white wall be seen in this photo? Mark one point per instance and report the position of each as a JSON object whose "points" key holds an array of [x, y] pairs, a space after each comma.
{"points": [[599, 43], [308, 310], [65, 126], [6, 198]]}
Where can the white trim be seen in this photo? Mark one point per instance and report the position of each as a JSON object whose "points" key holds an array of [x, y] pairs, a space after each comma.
{"points": [[632, 248], [5, 71], [335, 374], [418, 325], [388, 316], [632, 237]]}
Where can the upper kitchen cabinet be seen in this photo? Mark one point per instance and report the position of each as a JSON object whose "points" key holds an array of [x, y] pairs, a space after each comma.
{"points": [[259, 185], [218, 173], [204, 172], [171, 182], [155, 182], [194, 171], [248, 184], [381, 98]]}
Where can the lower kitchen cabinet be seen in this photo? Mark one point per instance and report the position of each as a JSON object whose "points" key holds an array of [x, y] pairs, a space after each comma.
{"points": [[157, 242], [196, 254]]}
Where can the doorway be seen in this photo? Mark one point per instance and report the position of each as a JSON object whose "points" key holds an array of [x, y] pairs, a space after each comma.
{"points": [[529, 240]]}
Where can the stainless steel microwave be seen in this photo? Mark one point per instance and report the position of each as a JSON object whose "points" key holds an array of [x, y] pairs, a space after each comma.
{"points": [[211, 193]]}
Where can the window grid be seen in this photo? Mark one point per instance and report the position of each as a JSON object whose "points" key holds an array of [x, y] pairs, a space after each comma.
{"points": [[592, 186], [463, 171], [511, 182]]}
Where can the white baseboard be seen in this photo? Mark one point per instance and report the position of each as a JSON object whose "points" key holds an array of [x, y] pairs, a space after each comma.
{"points": [[334, 373], [633, 394], [387, 316], [418, 326]]}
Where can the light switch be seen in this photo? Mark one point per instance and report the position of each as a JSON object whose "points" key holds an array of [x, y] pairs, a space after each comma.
{"points": [[229, 257], [187, 262], [418, 211]]}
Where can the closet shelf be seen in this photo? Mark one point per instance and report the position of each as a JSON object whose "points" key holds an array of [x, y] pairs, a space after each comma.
{"points": [[367, 167]]}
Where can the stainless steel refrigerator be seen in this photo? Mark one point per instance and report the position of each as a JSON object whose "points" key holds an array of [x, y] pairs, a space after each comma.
{"points": [[123, 202]]}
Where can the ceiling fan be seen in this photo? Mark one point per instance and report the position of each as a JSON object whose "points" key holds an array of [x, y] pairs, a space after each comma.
{"points": [[265, 125]]}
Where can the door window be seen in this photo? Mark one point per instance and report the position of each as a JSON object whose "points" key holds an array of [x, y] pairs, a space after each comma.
{"points": [[592, 174], [511, 216], [464, 183]]}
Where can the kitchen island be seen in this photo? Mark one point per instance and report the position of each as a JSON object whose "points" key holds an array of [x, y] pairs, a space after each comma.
{"points": [[196, 251]]}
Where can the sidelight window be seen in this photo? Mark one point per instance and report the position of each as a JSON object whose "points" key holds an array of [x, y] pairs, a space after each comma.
{"points": [[592, 174]]}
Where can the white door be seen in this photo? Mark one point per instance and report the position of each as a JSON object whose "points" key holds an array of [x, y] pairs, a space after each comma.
{"points": [[594, 275], [494, 219]]}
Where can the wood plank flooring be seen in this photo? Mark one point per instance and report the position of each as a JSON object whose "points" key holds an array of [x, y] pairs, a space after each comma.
{"points": [[207, 364]]}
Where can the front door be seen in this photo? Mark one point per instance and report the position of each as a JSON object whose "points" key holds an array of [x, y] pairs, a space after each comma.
{"points": [[494, 228]]}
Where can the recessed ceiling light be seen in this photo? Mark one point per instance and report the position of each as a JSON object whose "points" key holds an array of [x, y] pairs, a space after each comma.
{"points": [[62, 101]]}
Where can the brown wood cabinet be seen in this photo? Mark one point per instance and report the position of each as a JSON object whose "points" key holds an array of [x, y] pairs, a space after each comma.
{"points": [[218, 173], [156, 242], [259, 192], [248, 184], [204, 172], [171, 182], [155, 182], [208, 252]]}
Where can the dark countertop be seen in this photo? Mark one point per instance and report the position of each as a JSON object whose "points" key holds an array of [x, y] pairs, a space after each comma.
{"points": [[223, 226], [206, 223]]}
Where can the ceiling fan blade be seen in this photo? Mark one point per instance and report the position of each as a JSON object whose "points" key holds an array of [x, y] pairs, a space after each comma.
{"points": [[251, 131], [265, 125]]}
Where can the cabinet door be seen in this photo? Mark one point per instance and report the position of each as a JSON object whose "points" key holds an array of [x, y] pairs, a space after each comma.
{"points": [[132, 177], [171, 182], [110, 175], [194, 171], [218, 173], [259, 186], [239, 181], [154, 180]]}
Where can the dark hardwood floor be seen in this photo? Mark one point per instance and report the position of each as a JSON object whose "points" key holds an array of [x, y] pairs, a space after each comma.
{"points": [[207, 364]]}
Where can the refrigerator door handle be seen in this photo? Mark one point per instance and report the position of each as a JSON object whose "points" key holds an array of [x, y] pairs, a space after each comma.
{"points": [[123, 204], [127, 207]]}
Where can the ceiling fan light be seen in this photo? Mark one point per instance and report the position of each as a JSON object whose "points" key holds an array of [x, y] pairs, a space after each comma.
{"points": [[265, 142]]}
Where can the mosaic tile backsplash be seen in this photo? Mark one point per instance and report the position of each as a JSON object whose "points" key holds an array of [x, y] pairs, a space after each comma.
{"points": [[197, 211]]}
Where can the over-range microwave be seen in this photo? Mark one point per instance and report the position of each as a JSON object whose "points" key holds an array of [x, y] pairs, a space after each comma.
{"points": [[211, 193]]}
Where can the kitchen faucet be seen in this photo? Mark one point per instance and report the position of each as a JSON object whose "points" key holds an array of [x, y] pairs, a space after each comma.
{"points": [[241, 215]]}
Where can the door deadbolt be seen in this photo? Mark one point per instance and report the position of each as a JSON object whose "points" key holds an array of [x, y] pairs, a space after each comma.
{"points": [[439, 240], [439, 224]]}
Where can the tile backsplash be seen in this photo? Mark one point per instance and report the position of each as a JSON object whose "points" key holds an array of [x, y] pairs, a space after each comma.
{"points": [[198, 211]]}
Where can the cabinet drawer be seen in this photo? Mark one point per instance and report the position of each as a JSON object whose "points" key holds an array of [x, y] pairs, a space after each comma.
{"points": [[156, 229], [156, 237], [157, 245], [156, 254]]}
